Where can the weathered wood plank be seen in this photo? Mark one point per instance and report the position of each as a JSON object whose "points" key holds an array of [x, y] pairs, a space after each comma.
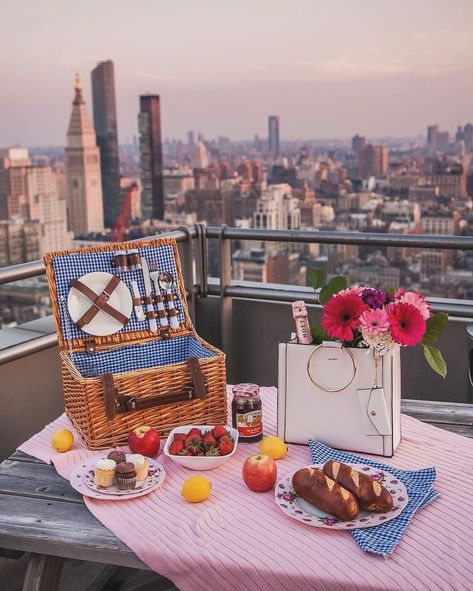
{"points": [[22, 457], [447, 412], [36, 480], [43, 573], [60, 529]]}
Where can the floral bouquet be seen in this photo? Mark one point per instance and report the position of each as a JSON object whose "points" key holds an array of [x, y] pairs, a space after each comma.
{"points": [[378, 320]]}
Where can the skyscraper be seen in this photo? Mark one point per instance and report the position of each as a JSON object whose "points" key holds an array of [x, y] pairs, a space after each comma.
{"points": [[358, 143], [84, 183], [151, 157], [273, 135], [105, 123], [432, 132]]}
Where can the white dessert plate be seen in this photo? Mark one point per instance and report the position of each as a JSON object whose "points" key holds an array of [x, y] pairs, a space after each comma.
{"points": [[102, 324], [83, 480], [296, 508]]}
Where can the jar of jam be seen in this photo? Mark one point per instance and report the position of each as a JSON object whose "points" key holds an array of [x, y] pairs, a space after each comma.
{"points": [[247, 413]]}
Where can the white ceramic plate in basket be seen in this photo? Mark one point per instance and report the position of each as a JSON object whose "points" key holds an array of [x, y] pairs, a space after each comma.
{"points": [[83, 480], [296, 508], [200, 462], [102, 324]]}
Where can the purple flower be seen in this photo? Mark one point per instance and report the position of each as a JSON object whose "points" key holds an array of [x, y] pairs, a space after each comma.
{"points": [[374, 298], [393, 481], [298, 512], [288, 497], [400, 499], [330, 521]]}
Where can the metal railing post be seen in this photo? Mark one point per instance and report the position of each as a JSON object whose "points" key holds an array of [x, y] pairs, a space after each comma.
{"points": [[226, 302], [188, 270]]}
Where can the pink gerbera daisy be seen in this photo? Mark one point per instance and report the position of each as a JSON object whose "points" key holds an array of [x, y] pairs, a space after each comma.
{"points": [[418, 301], [374, 322], [407, 324], [342, 315]]}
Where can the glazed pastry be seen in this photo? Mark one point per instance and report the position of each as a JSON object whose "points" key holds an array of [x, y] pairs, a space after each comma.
{"points": [[321, 491], [141, 465], [125, 476], [371, 495], [117, 455], [105, 472]]}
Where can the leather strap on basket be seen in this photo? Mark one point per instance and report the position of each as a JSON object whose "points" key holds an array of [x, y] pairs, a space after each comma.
{"points": [[114, 403], [99, 302]]}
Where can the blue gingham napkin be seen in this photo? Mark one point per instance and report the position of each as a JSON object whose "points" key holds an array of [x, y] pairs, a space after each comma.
{"points": [[382, 539]]}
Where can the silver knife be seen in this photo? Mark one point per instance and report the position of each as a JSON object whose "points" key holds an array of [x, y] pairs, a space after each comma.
{"points": [[138, 307], [149, 307]]}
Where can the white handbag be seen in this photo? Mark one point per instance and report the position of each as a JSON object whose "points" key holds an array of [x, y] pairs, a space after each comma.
{"points": [[344, 397]]}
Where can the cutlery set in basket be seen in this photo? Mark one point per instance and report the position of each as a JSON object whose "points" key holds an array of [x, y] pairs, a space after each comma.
{"points": [[129, 352]]}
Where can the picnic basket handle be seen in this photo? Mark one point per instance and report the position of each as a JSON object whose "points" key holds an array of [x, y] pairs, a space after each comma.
{"points": [[116, 403]]}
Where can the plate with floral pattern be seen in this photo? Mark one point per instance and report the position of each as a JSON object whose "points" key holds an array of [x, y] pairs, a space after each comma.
{"points": [[296, 508], [82, 478]]}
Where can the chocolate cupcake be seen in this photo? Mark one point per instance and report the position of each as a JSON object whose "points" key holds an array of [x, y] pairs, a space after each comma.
{"points": [[117, 456], [125, 476]]}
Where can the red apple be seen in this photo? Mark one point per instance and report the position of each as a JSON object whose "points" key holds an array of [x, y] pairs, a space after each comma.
{"points": [[145, 441], [259, 473]]}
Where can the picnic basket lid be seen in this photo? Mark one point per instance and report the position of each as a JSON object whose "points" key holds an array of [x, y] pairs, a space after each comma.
{"points": [[67, 265]]}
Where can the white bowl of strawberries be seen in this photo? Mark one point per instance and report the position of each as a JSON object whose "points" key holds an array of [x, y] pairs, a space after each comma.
{"points": [[201, 447]]}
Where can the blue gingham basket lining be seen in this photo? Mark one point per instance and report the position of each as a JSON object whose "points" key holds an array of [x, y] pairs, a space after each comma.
{"points": [[145, 356], [74, 265], [382, 539]]}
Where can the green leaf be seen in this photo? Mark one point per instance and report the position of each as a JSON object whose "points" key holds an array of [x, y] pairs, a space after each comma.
{"points": [[391, 290], [319, 334], [333, 287], [435, 326], [316, 278], [435, 360]]}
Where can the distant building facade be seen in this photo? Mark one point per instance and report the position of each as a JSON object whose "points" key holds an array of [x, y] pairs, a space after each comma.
{"points": [[83, 176], [273, 135], [373, 161], [105, 123], [358, 143], [151, 157]]}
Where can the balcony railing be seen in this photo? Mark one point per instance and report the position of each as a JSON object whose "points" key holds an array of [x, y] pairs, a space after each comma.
{"points": [[194, 252]]}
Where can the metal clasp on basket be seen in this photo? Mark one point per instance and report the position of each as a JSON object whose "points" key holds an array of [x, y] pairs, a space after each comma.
{"points": [[130, 403]]}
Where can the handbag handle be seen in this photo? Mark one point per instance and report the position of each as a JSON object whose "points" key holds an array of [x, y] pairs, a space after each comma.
{"points": [[115, 403], [325, 389]]}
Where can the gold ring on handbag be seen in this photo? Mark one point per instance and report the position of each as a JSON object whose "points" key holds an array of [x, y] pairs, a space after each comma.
{"points": [[314, 381]]}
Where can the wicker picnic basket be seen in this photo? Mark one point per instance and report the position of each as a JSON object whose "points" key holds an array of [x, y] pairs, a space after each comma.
{"points": [[117, 382]]}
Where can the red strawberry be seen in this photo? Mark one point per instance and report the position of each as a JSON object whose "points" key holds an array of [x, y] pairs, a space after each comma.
{"points": [[193, 443], [218, 431], [194, 431], [176, 447], [225, 439], [209, 439], [225, 448], [180, 436], [212, 451]]}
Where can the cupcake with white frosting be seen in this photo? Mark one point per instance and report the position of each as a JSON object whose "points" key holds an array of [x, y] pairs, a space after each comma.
{"points": [[141, 465], [105, 472]]}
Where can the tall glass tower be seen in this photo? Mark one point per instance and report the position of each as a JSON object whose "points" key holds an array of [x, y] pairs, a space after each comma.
{"points": [[105, 123], [273, 135], [151, 157]]}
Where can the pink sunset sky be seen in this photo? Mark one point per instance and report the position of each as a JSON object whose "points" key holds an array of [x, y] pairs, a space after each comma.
{"points": [[328, 69]]}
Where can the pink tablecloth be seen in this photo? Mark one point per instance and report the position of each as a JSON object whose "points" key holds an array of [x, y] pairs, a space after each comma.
{"points": [[240, 540]]}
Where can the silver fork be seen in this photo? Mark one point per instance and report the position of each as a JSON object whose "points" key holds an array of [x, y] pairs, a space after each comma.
{"points": [[154, 275]]}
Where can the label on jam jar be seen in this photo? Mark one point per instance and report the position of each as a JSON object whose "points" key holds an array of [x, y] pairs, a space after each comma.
{"points": [[250, 424]]}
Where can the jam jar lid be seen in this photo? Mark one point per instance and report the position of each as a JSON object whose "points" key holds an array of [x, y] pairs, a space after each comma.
{"points": [[245, 390]]}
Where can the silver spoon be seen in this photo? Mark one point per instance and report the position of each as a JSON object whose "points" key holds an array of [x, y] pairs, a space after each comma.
{"points": [[166, 283]]}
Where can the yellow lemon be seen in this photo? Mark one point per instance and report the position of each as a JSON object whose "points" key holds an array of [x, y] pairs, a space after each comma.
{"points": [[196, 489], [62, 440], [273, 447]]}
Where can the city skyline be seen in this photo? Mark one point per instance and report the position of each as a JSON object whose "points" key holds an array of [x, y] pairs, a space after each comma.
{"points": [[328, 72]]}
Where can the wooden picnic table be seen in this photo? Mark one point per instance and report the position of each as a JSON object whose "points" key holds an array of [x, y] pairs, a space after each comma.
{"points": [[42, 514]]}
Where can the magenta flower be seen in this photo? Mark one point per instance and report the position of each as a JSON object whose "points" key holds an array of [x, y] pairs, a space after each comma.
{"points": [[374, 322], [330, 521], [341, 316], [407, 324]]}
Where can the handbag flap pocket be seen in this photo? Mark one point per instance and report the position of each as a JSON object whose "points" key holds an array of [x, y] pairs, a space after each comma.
{"points": [[374, 411]]}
